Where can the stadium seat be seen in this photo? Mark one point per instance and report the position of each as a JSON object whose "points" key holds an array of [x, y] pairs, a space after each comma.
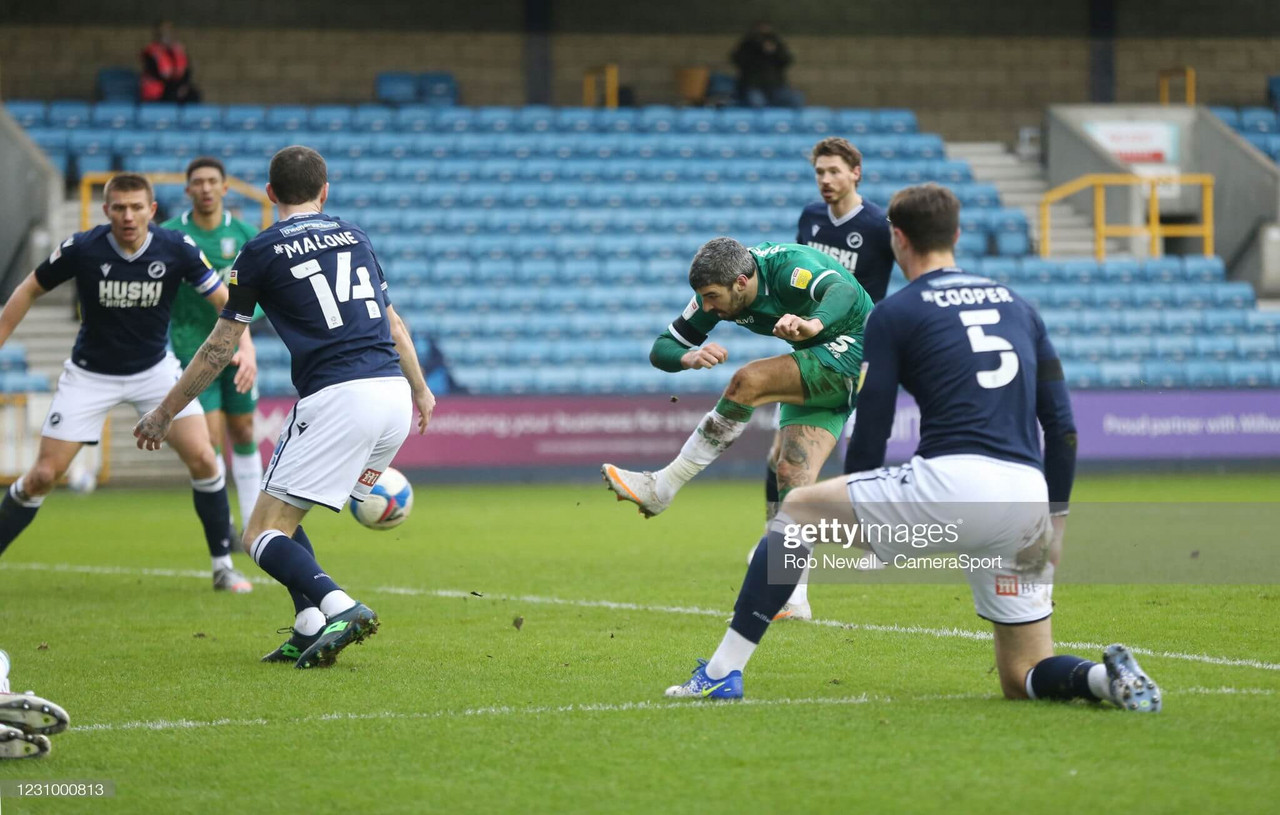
{"points": [[330, 118], [438, 88], [68, 115], [1250, 374], [820, 121], [1164, 270], [288, 118], [114, 115], [1258, 120], [895, 121], [1205, 373], [1131, 347], [395, 87], [117, 85], [1081, 374], [157, 116], [1119, 374], [1163, 374], [27, 114], [199, 117], [1229, 116], [1205, 269], [244, 117], [1225, 321], [133, 142]]}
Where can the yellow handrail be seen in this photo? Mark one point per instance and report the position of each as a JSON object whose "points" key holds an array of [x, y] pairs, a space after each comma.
{"points": [[1153, 228], [609, 74], [1188, 75], [90, 181]]}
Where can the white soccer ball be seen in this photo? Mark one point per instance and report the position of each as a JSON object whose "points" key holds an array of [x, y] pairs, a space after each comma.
{"points": [[388, 504], [81, 479]]}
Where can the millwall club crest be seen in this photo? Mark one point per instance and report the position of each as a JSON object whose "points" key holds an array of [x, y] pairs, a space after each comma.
{"points": [[854, 240], [156, 270], [815, 231], [106, 269]]}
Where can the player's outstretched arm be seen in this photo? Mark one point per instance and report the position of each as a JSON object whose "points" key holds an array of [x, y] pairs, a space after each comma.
{"points": [[28, 291], [423, 398], [208, 362]]}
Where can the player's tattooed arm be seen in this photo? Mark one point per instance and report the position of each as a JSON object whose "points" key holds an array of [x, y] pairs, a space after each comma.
{"points": [[208, 362]]}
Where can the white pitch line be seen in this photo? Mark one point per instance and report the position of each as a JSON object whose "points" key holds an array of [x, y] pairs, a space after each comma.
{"points": [[599, 707], [939, 633]]}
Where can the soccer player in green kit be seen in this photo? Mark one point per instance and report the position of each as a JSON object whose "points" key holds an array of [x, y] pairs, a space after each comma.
{"points": [[788, 290], [230, 402]]}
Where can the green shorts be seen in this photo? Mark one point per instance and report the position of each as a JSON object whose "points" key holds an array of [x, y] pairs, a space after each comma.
{"points": [[830, 395], [222, 394]]}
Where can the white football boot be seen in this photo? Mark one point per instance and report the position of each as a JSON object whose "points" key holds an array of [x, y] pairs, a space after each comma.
{"points": [[638, 488]]}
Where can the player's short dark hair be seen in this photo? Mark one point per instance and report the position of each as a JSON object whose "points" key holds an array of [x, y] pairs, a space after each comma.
{"points": [[200, 162], [928, 215], [128, 182], [297, 174], [719, 262], [838, 147]]}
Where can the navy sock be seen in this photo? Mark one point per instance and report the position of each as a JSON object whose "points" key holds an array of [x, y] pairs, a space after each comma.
{"points": [[300, 601], [292, 565], [15, 515], [771, 491], [1061, 677], [758, 599], [210, 497]]}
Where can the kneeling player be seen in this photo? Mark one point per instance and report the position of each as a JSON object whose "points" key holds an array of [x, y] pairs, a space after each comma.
{"points": [[790, 291], [979, 362], [358, 380]]}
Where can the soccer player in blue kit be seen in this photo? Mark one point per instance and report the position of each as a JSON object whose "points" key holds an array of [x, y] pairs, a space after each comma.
{"points": [[127, 274], [358, 381], [978, 361], [855, 232]]}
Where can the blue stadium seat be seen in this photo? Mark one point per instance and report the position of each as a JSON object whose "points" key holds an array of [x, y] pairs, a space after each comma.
{"points": [[133, 142], [223, 143], [375, 169], [973, 243], [244, 117], [820, 121], [78, 142], [1258, 120], [68, 115], [248, 168], [1087, 348], [1263, 321], [1163, 374], [395, 87], [265, 144], [1235, 293], [1131, 347], [1081, 373], [438, 88], [1138, 320], [114, 115], [855, 123], [1198, 267], [657, 119], [330, 118], [370, 118], [287, 117], [1119, 374], [178, 143], [1257, 346], [697, 120], [776, 120], [889, 120], [1120, 270], [1164, 270], [1012, 244], [495, 119], [1225, 321], [200, 117], [1205, 373], [27, 114], [152, 164], [1250, 374], [117, 85], [1216, 347], [1182, 321], [157, 116], [1173, 346], [454, 120], [1192, 295]]}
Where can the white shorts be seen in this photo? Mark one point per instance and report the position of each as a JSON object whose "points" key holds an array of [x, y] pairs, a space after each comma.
{"points": [[337, 442], [1005, 532], [83, 399]]}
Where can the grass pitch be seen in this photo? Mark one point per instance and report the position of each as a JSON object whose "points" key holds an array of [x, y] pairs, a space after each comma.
{"points": [[454, 707]]}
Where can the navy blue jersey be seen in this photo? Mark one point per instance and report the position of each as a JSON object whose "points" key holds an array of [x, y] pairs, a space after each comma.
{"points": [[125, 299], [321, 287], [859, 240], [980, 365]]}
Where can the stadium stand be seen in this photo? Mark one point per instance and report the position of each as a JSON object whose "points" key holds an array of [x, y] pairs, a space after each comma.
{"points": [[511, 235], [14, 376]]}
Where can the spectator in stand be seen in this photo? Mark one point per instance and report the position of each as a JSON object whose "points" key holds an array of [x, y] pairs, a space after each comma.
{"points": [[762, 59], [166, 71]]}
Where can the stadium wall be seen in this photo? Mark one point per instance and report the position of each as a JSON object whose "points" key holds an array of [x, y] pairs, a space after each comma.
{"points": [[29, 207]]}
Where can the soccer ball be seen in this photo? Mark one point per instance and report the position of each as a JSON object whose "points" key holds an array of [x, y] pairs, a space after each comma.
{"points": [[388, 504]]}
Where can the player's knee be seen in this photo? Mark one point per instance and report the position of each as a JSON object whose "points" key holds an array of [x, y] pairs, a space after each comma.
{"points": [[744, 387], [1013, 687], [241, 432], [202, 463], [40, 479]]}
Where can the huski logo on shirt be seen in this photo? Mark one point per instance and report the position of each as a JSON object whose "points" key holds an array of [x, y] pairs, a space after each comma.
{"points": [[106, 269]]}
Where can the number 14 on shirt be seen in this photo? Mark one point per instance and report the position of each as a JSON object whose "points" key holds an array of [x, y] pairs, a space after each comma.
{"points": [[342, 290]]}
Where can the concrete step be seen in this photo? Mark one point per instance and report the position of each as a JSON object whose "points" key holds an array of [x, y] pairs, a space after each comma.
{"points": [[973, 149]]}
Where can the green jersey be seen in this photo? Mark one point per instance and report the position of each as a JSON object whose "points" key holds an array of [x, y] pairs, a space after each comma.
{"points": [[193, 317], [793, 279]]}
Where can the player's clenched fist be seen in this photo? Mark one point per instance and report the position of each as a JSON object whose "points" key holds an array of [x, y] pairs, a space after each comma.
{"points": [[707, 356], [791, 327]]}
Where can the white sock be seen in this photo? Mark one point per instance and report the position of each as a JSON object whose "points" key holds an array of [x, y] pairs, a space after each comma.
{"points": [[732, 655], [712, 437], [246, 471], [1099, 682], [4, 672], [335, 602], [222, 562], [309, 621], [801, 595]]}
